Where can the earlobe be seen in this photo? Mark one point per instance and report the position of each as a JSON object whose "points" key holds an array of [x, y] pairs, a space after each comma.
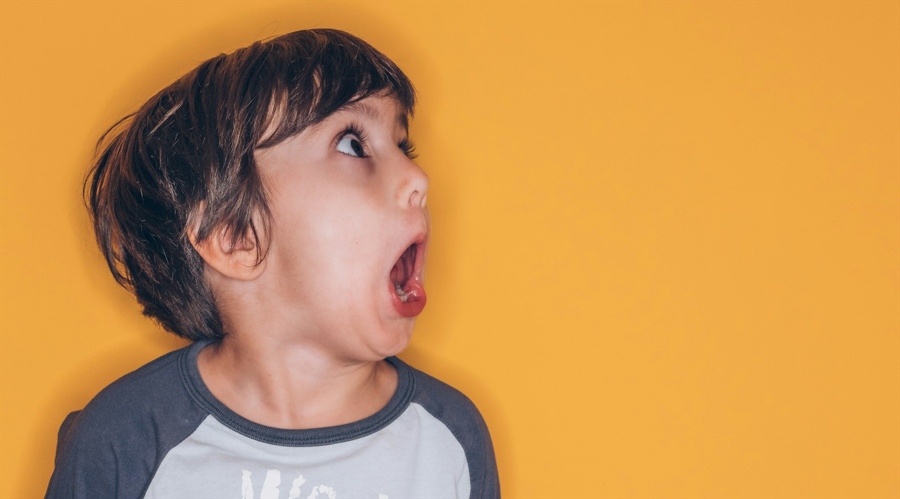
{"points": [[237, 259]]}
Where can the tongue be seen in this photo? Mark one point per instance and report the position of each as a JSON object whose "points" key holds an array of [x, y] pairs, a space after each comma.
{"points": [[413, 300]]}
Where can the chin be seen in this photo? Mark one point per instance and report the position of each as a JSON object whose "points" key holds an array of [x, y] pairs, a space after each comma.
{"points": [[394, 341]]}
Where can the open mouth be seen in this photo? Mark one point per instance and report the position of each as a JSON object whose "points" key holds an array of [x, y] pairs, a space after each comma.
{"points": [[406, 281], [402, 272]]}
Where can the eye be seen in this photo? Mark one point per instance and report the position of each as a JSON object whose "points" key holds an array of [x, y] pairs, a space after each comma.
{"points": [[351, 145]]}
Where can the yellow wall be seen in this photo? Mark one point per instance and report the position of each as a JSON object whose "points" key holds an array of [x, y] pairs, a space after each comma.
{"points": [[666, 249]]}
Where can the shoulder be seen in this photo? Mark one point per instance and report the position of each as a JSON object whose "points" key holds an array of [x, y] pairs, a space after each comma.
{"points": [[136, 404], [112, 447], [457, 412], [129, 396], [443, 401]]}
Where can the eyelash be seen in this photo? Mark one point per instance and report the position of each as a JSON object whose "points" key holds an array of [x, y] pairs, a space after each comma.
{"points": [[406, 145], [408, 148]]}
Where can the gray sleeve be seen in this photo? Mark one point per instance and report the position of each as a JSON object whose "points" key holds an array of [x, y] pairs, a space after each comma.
{"points": [[63, 434], [464, 421], [85, 466], [112, 448]]}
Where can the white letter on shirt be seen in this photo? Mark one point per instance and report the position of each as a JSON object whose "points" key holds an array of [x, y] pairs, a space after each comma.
{"points": [[270, 487], [246, 485]]}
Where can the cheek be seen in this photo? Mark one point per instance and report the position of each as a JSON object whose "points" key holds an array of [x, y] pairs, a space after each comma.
{"points": [[334, 234], [329, 257]]}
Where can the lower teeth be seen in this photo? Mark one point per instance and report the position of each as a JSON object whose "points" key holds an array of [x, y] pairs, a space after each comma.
{"points": [[402, 294]]}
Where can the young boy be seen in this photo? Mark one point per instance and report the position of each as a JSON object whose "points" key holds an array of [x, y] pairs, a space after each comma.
{"points": [[266, 206]]}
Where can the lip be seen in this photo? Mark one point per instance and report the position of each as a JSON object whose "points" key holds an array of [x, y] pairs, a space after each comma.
{"points": [[415, 302]]}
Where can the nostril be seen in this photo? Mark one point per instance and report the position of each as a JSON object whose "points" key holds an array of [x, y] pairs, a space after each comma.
{"points": [[413, 188], [415, 198], [418, 198]]}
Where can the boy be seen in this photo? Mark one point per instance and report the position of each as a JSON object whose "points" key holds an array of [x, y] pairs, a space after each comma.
{"points": [[266, 206]]}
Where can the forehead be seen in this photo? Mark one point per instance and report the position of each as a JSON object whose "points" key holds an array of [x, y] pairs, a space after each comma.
{"points": [[378, 110], [376, 114], [384, 110]]}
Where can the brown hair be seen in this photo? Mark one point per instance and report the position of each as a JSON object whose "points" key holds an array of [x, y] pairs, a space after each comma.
{"points": [[186, 158]]}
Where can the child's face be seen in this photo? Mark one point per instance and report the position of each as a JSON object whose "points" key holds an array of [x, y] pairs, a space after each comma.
{"points": [[349, 232]]}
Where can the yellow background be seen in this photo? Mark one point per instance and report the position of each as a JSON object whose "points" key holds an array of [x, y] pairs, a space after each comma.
{"points": [[666, 249]]}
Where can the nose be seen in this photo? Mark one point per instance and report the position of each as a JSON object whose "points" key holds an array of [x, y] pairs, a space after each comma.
{"points": [[413, 189]]}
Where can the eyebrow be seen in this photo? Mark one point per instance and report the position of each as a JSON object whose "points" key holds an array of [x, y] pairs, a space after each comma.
{"points": [[370, 112]]}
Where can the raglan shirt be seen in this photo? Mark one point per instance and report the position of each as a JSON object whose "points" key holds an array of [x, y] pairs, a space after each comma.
{"points": [[159, 433]]}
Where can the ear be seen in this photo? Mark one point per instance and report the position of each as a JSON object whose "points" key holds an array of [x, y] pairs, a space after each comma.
{"points": [[233, 259]]}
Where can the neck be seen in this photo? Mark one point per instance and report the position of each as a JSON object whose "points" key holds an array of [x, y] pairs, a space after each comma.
{"points": [[291, 386]]}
